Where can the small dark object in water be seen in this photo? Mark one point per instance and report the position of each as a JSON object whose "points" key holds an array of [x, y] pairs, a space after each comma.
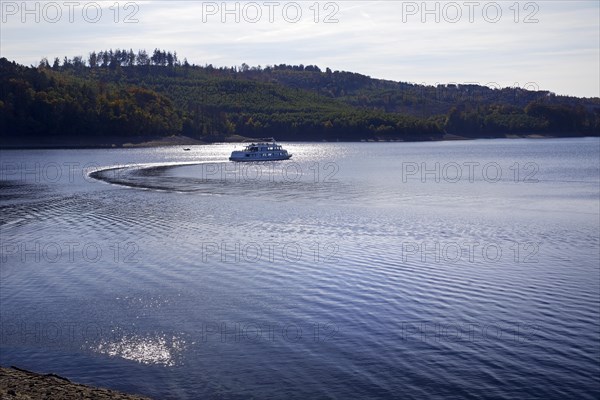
{"points": [[186, 149]]}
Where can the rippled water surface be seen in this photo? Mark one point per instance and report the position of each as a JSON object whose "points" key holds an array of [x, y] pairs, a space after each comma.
{"points": [[363, 270]]}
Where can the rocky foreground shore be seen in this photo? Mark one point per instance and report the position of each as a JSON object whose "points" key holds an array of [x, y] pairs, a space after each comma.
{"points": [[16, 383]]}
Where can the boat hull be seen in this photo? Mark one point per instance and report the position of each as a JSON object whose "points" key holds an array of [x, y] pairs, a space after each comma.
{"points": [[257, 159]]}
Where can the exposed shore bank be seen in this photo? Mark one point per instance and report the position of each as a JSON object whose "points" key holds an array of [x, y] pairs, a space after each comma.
{"points": [[185, 141], [16, 383]]}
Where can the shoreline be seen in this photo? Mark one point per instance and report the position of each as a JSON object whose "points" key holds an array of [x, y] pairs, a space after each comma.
{"points": [[18, 383], [175, 141]]}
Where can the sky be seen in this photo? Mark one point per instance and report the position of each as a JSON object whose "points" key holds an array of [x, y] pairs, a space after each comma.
{"points": [[545, 45]]}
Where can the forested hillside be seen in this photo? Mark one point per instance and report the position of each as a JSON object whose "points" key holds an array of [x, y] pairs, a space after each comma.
{"points": [[119, 96]]}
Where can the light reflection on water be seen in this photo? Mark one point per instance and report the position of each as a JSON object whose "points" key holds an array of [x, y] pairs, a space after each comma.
{"points": [[159, 350]]}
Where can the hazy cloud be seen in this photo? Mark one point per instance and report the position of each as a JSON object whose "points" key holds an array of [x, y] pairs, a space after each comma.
{"points": [[399, 40]]}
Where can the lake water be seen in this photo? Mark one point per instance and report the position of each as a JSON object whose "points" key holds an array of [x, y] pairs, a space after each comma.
{"points": [[354, 270]]}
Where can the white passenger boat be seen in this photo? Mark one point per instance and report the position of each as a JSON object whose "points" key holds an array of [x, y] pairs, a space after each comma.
{"points": [[266, 151]]}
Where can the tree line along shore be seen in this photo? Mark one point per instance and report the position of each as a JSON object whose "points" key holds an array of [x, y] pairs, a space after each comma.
{"points": [[124, 97]]}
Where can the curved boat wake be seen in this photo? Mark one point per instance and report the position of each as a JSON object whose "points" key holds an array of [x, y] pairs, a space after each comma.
{"points": [[148, 176], [210, 178]]}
